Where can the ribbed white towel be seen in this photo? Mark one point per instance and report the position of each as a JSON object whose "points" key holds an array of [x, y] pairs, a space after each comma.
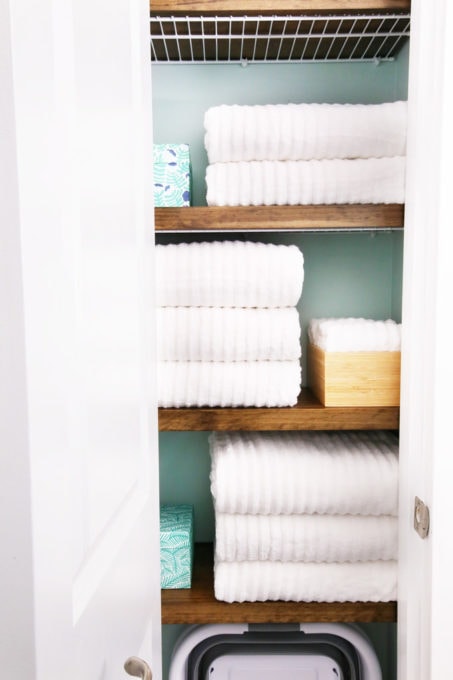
{"points": [[305, 131], [355, 335], [305, 538], [372, 180], [306, 581], [228, 274], [240, 383], [305, 472], [228, 334]]}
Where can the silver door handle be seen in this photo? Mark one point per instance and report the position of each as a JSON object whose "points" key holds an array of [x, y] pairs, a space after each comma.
{"points": [[138, 668]]}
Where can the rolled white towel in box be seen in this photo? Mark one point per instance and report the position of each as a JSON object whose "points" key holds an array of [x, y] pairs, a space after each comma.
{"points": [[228, 274], [371, 180], [306, 581], [240, 383], [228, 334], [355, 335], [305, 131], [305, 472], [305, 538]]}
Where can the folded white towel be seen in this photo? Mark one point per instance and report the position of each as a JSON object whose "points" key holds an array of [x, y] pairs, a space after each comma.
{"points": [[240, 383], [228, 334], [355, 335], [305, 131], [305, 538], [371, 180], [306, 581], [228, 274], [305, 472]]}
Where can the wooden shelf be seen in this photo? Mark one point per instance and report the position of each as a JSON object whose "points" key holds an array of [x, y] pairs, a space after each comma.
{"points": [[309, 414], [276, 6], [280, 218], [198, 604]]}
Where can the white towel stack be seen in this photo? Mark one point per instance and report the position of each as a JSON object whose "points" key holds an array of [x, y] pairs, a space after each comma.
{"points": [[228, 327], [298, 154], [355, 335], [309, 516]]}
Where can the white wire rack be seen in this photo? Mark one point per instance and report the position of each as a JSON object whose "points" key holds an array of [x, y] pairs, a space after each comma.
{"points": [[293, 38]]}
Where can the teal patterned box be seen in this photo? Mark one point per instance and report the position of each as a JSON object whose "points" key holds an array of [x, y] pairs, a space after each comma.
{"points": [[176, 546], [172, 175]]}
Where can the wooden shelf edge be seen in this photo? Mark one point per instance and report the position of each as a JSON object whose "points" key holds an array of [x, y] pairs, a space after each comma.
{"points": [[198, 604], [280, 218], [309, 414], [161, 7]]}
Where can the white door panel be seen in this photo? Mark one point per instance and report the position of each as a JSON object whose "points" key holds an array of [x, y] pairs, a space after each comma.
{"points": [[82, 99], [425, 591]]}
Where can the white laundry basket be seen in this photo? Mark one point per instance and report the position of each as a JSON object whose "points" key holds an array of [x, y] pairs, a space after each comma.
{"points": [[313, 651]]}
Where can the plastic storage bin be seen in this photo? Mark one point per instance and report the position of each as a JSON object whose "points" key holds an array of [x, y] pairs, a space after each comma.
{"points": [[299, 652]]}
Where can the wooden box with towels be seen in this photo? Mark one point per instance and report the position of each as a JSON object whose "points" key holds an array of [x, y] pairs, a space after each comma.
{"points": [[354, 378]]}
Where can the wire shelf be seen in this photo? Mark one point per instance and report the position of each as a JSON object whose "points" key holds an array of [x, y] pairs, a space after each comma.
{"points": [[371, 37]]}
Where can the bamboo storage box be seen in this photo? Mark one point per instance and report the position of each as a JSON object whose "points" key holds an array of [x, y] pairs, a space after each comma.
{"points": [[354, 378]]}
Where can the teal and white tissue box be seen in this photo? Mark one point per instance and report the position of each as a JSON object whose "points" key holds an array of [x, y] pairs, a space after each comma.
{"points": [[172, 175], [176, 546]]}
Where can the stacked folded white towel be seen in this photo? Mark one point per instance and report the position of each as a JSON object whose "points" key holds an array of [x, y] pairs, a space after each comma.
{"points": [[306, 516], [228, 327], [298, 154], [355, 335]]}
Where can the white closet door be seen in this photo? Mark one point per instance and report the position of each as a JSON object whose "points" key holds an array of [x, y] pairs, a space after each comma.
{"points": [[81, 90], [425, 586]]}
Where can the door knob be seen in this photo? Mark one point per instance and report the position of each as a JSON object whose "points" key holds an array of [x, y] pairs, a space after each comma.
{"points": [[138, 668]]}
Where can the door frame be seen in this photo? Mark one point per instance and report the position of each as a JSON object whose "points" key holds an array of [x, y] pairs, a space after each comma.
{"points": [[425, 565]]}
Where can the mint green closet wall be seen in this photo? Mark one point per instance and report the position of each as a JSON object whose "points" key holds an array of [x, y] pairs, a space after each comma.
{"points": [[347, 274], [182, 93]]}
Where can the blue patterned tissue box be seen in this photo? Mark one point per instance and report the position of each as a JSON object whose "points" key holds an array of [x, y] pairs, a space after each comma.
{"points": [[176, 546], [172, 175]]}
